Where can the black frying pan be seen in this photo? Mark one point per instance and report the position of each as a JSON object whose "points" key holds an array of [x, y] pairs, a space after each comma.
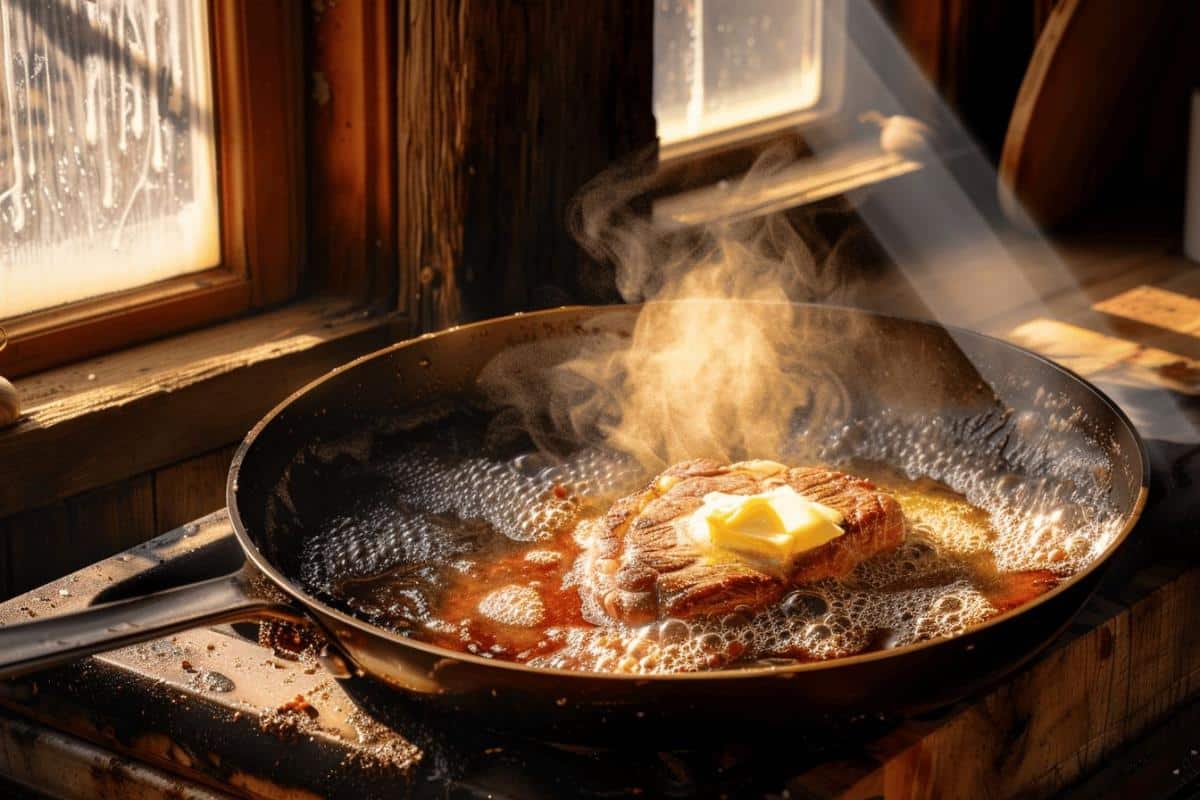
{"points": [[900, 369]]}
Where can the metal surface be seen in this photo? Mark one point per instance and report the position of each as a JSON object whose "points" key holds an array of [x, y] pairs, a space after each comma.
{"points": [[203, 703], [112, 625], [943, 369], [62, 766]]}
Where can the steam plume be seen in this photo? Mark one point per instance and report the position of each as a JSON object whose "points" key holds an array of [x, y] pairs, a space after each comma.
{"points": [[718, 364]]}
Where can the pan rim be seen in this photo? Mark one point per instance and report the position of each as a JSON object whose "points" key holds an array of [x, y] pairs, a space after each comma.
{"points": [[312, 604]]}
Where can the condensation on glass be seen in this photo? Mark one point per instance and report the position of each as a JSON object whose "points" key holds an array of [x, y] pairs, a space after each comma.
{"points": [[107, 159], [719, 64]]}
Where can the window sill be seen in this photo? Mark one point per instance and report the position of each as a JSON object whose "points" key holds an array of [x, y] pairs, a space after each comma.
{"points": [[806, 181], [109, 418]]}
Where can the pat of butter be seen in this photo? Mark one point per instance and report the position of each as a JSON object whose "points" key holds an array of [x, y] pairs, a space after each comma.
{"points": [[771, 528]]}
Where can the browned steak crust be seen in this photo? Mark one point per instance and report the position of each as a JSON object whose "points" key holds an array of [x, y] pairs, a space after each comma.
{"points": [[643, 569]]}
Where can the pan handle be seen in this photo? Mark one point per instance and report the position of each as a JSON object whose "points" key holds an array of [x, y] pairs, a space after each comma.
{"points": [[49, 642]]}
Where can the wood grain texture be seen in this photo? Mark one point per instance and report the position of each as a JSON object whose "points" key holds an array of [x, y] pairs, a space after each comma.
{"points": [[352, 156], [91, 425], [51, 541], [259, 57], [190, 489], [1165, 764], [61, 335], [44, 543], [1099, 688], [1081, 100], [505, 110]]}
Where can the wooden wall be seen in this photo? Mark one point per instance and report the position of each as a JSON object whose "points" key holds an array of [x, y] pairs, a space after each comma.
{"points": [[505, 111], [45, 543], [444, 143], [974, 51]]}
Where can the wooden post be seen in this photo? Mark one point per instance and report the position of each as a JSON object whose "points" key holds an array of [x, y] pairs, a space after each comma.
{"points": [[505, 110], [352, 152]]}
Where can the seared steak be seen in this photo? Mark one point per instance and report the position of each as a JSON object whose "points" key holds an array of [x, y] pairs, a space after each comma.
{"points": [[644, 567]]}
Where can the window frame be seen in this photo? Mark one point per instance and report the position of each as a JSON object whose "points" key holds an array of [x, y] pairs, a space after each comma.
{"points": [[785, 126], [689, 169], [257, 58]]}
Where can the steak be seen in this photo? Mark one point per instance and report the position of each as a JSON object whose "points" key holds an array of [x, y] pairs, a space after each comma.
{"points": [[644, 567]]}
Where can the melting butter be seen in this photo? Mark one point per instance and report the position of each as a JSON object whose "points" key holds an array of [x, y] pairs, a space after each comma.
{"points": [[770, 528], [760, 467]]}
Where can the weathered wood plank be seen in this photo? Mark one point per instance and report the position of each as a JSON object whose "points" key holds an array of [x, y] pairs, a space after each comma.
{"points": [[352, 165], [1051, 724], [505, 111], [53, 540], [1079, 277], [190, 489], [1135, 330], [259, 55], [87, 426], [1163, 764], [178, 494]]}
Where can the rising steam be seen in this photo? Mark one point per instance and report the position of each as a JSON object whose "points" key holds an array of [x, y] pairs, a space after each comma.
{"points": [[719, 364]]}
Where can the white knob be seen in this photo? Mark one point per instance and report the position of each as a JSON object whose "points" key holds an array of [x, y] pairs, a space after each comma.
{"points": [[10, 403]]}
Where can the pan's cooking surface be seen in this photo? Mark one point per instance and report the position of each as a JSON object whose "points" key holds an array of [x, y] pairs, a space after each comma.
{"points": [[439, 527], [316, 489], [390, 529]]}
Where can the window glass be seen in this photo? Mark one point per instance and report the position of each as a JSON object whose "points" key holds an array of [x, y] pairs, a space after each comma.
{"points": [[723, 63], [107, 158]]}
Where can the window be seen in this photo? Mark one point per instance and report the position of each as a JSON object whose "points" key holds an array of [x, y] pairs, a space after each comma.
{"points": [[149, 154], [721, 65], [108, 163]]}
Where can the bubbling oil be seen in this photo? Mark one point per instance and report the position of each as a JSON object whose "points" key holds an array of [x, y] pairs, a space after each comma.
{"points": [[942, 580], [486, 552]]}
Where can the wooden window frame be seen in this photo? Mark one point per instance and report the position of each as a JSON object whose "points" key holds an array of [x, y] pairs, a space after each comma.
{"points": [[258, 91], [702, 161], [688, 171]]}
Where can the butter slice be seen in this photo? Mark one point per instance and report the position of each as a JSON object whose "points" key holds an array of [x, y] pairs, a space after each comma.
{"points": [[760, 467], [770, 529]]}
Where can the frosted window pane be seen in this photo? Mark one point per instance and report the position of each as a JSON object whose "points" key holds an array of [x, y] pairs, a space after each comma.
{"points": [[107, 164], [723, 63]]}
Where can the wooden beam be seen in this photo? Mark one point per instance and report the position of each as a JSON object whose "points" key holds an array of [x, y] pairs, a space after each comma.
{"points": [[258, 59], [352, 152], [505, 111]]}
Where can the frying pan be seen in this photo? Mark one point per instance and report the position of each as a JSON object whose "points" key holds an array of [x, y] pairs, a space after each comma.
{"points": [[895, 368]]}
